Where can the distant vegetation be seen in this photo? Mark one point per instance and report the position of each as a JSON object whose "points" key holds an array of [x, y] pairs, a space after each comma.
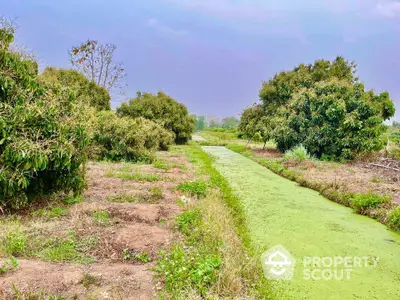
{"points": [[322, 106]]}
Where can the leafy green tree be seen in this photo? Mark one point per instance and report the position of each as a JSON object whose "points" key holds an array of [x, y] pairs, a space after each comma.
{"points": [[323, 107], [164, 110], [87, 91], [200, 123], [254, 124], [42, 143], [230, 122]]}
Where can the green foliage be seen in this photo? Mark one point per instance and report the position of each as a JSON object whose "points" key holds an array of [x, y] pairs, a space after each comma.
{"points": [[254, 124], [101, 217], [9, 265], [54, 212], [42, 142], [124, 138], [89, 280], [394, 219], [200, 123], [163, 110], [196, 188], [159, 164], [362, 202], [298, 154], [189, 221], [14, 243], [183, 268], [134, 176], [156, 193], [86, 91], [325, 108], [143, 257]]}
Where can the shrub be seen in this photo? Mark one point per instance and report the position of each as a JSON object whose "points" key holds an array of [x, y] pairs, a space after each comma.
{"points": [[124, 138], [394, 219], [362, 202], [298, 154], [163, 110], [42, 143], [14, 243], [86, 91]]}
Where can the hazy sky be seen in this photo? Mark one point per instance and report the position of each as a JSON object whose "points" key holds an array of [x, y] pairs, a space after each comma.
{"points": [[213, 55]]}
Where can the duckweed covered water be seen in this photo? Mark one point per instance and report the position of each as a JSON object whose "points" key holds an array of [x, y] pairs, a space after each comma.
{"points": [[306, 224]]}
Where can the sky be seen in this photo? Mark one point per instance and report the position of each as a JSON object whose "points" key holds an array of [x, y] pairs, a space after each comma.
{"points": [[212, 55]]}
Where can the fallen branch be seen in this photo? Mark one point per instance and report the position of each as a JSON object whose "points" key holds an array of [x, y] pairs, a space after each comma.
{"points": [[386, 167]]}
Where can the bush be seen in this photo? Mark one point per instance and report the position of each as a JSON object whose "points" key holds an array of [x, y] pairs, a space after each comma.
{"points": [[163, 110], [123, 138], [362, 202], [298, 154], [394, 219], [86, 91], [42, 142], [196, 188]]}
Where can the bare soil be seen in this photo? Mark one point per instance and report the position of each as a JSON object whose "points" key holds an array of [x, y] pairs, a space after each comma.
{"points": [[134, 227]]}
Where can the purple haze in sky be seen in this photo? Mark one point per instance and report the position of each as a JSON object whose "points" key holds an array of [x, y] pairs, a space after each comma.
{"points": [[212, 55]]}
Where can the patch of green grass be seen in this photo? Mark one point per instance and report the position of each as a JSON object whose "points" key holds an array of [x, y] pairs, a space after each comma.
{"points": [[134, 176], [123, 198], [14, 243], [160, 164], [362, 202], [189, 221], [376, 179], [297, 154], [18, 294], [70, 200], [101, 218], [394, 219], [183, 268], [195, 188], [59, 249], [54, 212], [143, 257], [89, 280], [9, 265], [156, 193]]}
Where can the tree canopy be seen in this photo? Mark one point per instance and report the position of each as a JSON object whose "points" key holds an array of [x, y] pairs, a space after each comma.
{"points": [[162, 109]]}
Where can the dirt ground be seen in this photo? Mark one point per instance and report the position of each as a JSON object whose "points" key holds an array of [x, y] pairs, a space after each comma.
{"points": [[141, 227]]}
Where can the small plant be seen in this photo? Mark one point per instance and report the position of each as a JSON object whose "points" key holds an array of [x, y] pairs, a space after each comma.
{"points": [[189, 221], [376, 179], [54, 212], [362, 202], [89, 280], [197, 187], [298, 154], [188, 268], [70, 200], [14, 243], [394, 219], [101, 217], [156, 193], [159, 164], [124, 198], [8, 265], [143, 257]]}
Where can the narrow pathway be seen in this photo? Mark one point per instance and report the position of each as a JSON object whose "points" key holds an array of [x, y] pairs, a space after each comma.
{"points": [[306, 224]]}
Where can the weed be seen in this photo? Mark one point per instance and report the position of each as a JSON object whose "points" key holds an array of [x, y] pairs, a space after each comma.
{"points": [[159, 164], [376, 179], [143, 257], [183, 268], [197, 187], [134, 176], [101, 217], [298, 154], [70, 200], [362, 202], [54, 212], [89, 280], [14, 243], [124, 198], [189, 221], [394, 219], [8, 265], [156, 193], [33, 295]]}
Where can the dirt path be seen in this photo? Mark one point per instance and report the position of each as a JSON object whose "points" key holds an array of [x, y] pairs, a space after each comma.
{"points": [[306, 224]]}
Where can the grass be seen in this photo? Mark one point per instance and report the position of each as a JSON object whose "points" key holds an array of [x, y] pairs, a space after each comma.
{"points": [[363, 202], [297, 154], [156, 193], [101, 218], [24, 294], [133, 176], [88, 280], [9, 265], [51, 213], [394, 219], [123, 198], [160, 164], [194, 188], [14, 243]]}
